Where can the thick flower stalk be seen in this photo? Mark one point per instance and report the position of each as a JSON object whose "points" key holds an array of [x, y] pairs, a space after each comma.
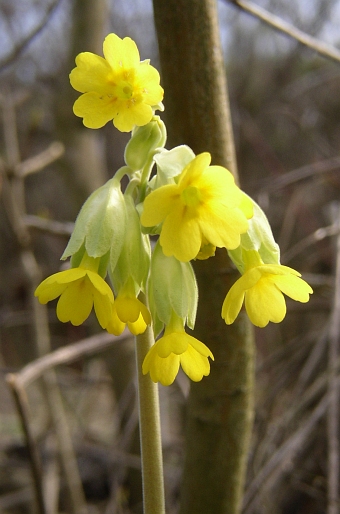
{"points": [[204, 207], [262, 289], [174, 349], [80, 289], [118, 87]]}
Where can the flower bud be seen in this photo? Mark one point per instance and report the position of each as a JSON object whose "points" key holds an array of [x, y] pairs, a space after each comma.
{"points": [[143, 141]]}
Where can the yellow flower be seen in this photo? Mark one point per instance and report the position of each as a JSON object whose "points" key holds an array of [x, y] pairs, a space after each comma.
{"points": [[177, 348], [262, 287], [204, 207], [118, 87], [130, 311], [80, 289]]}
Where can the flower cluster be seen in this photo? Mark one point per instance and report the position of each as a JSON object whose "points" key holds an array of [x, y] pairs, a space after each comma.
{"points": [[194, 207]]}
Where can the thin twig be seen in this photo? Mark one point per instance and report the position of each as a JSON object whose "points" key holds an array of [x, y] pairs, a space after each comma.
{"points": [[21, 402], [40, 161], [57, 228], [27, 40], [286, 452], [279, 24], [66, 355], [311, 239], [291, 177]]}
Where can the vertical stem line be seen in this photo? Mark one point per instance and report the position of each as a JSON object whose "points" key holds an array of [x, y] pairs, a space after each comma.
{"points": [[333, 388], [150, 431]]}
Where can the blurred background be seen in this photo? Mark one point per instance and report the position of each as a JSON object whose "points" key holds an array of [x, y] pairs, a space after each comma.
{"points": [[286, 108]]}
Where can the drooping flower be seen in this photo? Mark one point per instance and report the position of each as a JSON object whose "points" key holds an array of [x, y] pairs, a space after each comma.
{"points": [[261, 288], [130, 311], [204, 207], [118, 87], [174, 349], [80, 289]]}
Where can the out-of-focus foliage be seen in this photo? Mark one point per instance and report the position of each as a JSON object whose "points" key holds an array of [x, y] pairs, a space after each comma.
{"points": [[286, 113]]}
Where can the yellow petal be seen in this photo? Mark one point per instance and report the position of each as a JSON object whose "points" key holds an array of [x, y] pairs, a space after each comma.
{"points": [[147, 78], [264, 302], [54, 285], [120, 53], [180, 235], [246, 206], [194, 170], [200, 347], [162, 370], [75, 303], [95, 110], [91, 74], [132, 114], [115, 325], [233, 303], [194, 364], [222, 226], [294, 287], [102, 308], [99, 283], [175, 342], [127, 309], [158, 204], [138, 326], [48, 292]]}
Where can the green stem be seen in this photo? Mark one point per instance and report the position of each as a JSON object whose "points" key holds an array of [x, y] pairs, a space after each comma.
{"points": [[150, 432], [124, 170]]}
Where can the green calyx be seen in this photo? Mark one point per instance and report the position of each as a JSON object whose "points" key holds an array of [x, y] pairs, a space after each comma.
{"points": [[258, 238], [100, 225], [172, 287], [134, 259], [170, 164]]}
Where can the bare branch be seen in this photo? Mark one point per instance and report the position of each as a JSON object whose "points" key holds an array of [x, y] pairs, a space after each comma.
{"points": [[40, 161], [20, 398], [286, 452], [309, 170], [27, 40], [65, 355], [277, 23], [56, 228]]}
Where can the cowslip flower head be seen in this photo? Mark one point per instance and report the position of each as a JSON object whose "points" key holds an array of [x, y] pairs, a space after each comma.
{"points": [[261, 288], [174, 349], [118, 87], [80, 289], [204, 206]]}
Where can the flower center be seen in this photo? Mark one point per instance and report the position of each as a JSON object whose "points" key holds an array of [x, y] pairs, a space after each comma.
{"points": [[127, 90], [191, 196]]}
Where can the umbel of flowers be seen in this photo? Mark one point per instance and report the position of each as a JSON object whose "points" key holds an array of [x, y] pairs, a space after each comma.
{"points": [[193, 207]]}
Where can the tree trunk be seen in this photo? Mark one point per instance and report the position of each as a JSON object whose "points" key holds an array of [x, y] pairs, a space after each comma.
{"points": [[220, 409]]}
